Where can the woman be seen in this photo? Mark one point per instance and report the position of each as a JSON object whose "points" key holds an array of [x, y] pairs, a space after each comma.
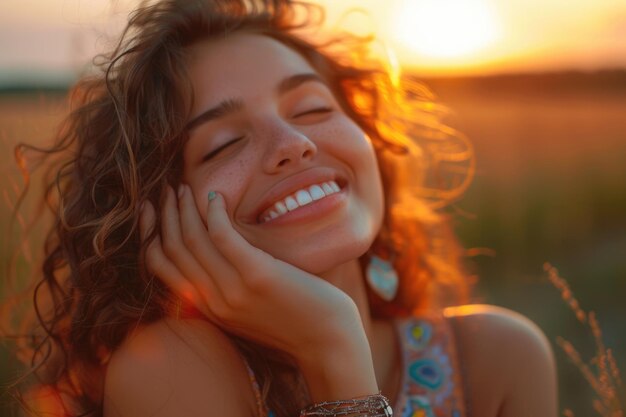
{"points": [[236, 208]]}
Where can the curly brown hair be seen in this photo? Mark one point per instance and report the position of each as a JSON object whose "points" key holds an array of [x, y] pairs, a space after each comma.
{"points": [[121, 145]]}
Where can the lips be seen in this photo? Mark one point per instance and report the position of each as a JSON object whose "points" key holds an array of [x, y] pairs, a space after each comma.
{"points": [[300, 198], [290, 185]]}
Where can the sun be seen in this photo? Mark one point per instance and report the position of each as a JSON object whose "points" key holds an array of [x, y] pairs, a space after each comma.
{"points": [[444, 28]]}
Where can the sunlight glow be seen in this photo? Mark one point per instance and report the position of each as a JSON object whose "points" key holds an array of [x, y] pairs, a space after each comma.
{"points": [[444, 28]]}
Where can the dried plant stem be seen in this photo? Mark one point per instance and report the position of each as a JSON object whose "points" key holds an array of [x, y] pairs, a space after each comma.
{"points": [[566, 293], [614, 369], [574, 356], [605, 378]]}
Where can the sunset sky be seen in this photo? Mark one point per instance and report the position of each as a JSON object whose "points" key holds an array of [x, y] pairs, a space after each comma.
{"points": [[55, 39]]}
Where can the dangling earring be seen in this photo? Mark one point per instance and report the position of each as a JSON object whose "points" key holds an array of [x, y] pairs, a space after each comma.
{"points": [[382, 278]]}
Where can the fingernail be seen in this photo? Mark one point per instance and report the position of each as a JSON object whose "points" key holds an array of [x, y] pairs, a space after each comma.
{"points": [[181, 190], [212, 195]]}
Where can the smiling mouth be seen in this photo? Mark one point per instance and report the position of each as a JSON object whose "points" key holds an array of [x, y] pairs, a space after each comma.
{"points": [[299, 198]]}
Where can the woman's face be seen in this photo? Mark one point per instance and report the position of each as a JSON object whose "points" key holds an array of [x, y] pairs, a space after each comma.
{"points": [[267, 133]]}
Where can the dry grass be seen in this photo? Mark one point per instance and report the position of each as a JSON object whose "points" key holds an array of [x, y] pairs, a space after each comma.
{"points": [[601, 372]]}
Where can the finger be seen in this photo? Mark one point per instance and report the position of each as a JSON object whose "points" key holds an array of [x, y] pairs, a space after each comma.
{"points": [[158, 264], [222, 274], [172, 241], [175, 250], [241, 254]]}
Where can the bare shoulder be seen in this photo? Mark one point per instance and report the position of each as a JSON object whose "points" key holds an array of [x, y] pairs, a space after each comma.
{"points": [[483, 323], [178, 367], [507, 362]]}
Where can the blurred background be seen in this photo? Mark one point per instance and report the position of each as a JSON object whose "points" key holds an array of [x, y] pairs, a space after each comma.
{"points": [[539, 86]]}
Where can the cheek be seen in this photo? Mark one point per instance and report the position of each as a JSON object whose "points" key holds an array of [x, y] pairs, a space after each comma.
{"points": [[229, 179], [344, 138], [359, 153], [354, 148], [352, 145]]}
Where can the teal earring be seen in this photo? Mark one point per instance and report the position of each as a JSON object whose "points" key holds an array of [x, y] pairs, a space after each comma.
{"points": [[382, 278]]}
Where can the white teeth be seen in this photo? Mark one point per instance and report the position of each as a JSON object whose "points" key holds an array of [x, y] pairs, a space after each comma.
{"points": [[303, 197], [300, 198], [291, 203], [280, 207], [316, 192]]}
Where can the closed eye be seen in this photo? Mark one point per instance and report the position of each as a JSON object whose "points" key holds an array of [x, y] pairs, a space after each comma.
{"points": [[317, 110], [220, 148]]}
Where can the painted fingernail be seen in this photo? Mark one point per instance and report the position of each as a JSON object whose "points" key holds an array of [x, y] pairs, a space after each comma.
{"points": [[212, 195]]}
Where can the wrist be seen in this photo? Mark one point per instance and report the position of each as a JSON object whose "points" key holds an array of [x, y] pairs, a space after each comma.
{"points": [[345, 370], [369, 405]]}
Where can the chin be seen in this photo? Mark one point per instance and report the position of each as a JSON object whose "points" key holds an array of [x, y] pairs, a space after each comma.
{"points": [[319, 259], [319, 251]]}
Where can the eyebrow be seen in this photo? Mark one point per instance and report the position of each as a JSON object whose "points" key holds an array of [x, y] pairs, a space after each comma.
{"points": [[229, 106]]}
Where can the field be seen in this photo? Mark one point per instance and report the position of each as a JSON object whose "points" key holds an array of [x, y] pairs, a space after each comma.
{"points": [[550, 187]]}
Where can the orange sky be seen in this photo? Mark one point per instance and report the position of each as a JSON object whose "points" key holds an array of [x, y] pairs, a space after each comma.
{"points": [[507, 35], [56, 38]]}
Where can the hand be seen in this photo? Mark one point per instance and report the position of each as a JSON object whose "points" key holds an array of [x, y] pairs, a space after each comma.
{"points": [[243, 289]]}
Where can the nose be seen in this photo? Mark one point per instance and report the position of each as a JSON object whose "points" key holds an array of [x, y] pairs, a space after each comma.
{"points": [[286, 147]]}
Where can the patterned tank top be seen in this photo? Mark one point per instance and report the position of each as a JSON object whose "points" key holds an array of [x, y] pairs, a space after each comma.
{"points": [[431, 378]]}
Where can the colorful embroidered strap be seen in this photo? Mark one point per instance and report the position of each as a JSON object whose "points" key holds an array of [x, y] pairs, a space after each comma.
{"points": [[431, 384]]}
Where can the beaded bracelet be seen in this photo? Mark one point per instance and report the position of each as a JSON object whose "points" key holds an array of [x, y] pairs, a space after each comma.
{"points": [[376, 405]]}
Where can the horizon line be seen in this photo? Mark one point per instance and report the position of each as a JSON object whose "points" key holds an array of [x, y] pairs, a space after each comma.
{"points": [[62, 82]]}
